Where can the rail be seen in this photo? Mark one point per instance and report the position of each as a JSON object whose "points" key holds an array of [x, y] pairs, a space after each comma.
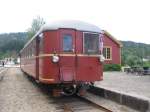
{"points": [[96, 105]]}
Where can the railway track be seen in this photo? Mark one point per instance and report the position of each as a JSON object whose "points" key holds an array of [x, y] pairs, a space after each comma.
{"points": [[96, 105], [77, 104], [87, 103], [68, 108], [71, 103]]}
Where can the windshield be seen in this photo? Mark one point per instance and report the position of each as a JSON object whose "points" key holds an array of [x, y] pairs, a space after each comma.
{"points": [[67, 43], [91, 43]]}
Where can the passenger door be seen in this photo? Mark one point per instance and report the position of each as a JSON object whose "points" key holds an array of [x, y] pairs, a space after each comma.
{"points": [[67, 55]]}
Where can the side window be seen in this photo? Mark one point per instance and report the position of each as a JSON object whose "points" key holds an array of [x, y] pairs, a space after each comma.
{"points": [[41, 36], [67, 43], [33, 49]]}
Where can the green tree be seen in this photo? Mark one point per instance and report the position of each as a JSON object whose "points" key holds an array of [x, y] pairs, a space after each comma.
{"points": [[133, 53], [11, 44], [35, 26]]}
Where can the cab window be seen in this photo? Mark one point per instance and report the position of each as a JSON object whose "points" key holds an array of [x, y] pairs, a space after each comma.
{"points": [[67, 43], [91, 43]]}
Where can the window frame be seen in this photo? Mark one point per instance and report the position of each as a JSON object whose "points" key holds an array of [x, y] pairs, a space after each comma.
{"points": [[106, 47], [84, 43]]}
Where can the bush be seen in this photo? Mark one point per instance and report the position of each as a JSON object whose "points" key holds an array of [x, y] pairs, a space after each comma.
{"points": [[112, 67], [146, 64]]}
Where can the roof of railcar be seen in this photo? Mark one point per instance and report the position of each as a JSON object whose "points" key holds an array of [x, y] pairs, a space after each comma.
{"points": [[72, 24]]}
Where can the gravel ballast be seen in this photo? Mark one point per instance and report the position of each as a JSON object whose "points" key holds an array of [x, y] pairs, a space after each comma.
{"points": [[18, 94]]}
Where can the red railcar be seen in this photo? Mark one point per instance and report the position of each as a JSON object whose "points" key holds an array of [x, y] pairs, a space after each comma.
{"points": [[64, 54]]}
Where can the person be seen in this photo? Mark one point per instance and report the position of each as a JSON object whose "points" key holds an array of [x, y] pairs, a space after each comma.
{"points": [[3, 63]]}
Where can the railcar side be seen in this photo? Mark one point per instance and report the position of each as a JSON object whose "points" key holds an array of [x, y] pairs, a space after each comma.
{"points": [[28, 59]]}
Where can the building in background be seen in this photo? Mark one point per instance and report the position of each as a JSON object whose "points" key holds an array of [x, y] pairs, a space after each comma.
{"points": [[112, 49]]}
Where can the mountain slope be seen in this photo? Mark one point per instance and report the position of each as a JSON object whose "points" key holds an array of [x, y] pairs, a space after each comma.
{"points": [[133, 53]]}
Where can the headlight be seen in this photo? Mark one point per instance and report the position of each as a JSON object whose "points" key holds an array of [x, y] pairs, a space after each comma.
{"points": [[101, 58], [55, 59]]}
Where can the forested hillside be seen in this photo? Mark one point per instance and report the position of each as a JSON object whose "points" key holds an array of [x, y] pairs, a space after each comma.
{"points": [[11, 43], [133, 53]]}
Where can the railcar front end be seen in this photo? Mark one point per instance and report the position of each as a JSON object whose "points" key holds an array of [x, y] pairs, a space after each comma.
{"points": [[68, 56]]}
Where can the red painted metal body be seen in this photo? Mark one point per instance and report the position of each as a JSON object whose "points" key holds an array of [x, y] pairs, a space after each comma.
{"points": [[73, 67]]}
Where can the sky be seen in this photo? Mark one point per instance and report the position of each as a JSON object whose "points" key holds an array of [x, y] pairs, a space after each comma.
{"points": [[124, 19]]}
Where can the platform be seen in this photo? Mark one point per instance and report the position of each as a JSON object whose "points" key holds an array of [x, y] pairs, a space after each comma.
{"points": [[127, 89]]}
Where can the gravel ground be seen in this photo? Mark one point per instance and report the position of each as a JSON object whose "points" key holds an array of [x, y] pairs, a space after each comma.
{"points": [[1, 68], [128, 83], [2, 73], [18, 94]]}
